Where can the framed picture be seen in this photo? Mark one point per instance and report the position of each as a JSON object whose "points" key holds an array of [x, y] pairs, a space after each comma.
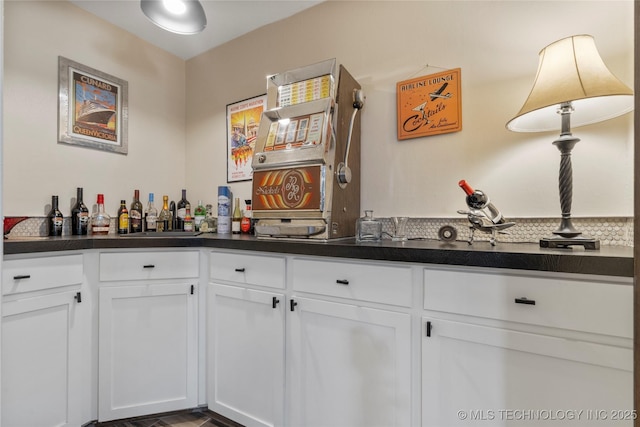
{"points": [[92, 109], [243, 121], [429, 105]]}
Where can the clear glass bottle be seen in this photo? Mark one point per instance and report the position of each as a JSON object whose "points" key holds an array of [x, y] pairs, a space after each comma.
{"points": [[210, 223], [368, 229], [100, 221], [236, 218], [151, 215]]}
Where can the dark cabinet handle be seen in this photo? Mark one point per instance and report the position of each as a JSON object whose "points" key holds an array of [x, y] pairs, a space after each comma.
{"points": [[274, 302], [78, 297], [525, 300], [149, 266], [22, 276], [342, 282], [428, 328], [240, 270], [293, 305]]}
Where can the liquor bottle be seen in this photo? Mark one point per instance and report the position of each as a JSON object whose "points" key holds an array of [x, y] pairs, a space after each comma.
{"points": [[210, 223], [199, 215], [54, 219], [79, 216], [478, 200], [188, 219], [237, 217], [151, 215], [181, 212], [123, 218], [174, 218], [135, 213], [246, 225], [100, 221], [368, 228], [165, 218]]}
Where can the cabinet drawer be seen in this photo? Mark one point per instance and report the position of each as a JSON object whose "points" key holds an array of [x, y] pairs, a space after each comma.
{"points": [[263, 270], [149, 265], [567, 303], [33, 274], [360, 281]]}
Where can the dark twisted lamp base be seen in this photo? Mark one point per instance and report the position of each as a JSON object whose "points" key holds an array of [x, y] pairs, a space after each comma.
{"points": [[566, 234]]}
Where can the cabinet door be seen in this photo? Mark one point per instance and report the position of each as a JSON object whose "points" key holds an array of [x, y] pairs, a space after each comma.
{"points": [[40, 361], [246, 355], [348, 365], [147, 350], [477, 375]]}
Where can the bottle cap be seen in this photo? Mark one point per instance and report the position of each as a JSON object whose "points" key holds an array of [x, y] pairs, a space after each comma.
{"points": [[101, 199], [465, 187]]}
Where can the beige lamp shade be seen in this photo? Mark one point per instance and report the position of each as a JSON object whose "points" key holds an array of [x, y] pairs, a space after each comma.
{"points": [[571, 69]]}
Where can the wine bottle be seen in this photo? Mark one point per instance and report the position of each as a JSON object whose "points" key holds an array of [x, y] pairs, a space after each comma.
{"points": [[182, 210], [188, 219], [100, 221], [478, 200], [135, 213], [123, 218], [236, 218], [79, 216], [165, 218], [151, 215], [54, 219], [199, 215], [174, 216]]}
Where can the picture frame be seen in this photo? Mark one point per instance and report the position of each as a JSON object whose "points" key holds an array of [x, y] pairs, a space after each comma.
{"points": [[429, 105], [243, 122], [92, 108]]}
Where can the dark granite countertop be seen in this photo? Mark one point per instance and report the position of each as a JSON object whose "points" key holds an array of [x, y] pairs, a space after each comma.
{"points": [[608, 261]]}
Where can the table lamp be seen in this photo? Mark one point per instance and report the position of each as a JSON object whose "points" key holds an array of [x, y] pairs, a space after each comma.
{"points": [[572, 81]]}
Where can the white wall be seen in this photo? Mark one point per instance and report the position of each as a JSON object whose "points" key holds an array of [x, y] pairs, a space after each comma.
{"points": [[496, 43], [36, 166], [177, 110]]}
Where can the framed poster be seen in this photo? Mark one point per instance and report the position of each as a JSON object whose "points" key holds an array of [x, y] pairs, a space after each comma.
{"points": [[429, 105], [92, 108], [243, 121]]}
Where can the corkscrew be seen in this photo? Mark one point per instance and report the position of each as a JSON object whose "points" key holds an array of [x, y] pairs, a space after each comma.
{"points": [[482, 214]]}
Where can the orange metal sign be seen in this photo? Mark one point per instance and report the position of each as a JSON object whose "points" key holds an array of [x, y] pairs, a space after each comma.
{"points": [[429, 105], [287, 189]]}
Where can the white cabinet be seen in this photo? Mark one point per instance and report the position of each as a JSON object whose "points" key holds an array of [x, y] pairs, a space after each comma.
{"points": [[511, 349], [148, 333], [349, 365], [42, 352], [245, 333], [246, 354], [349, 362]]}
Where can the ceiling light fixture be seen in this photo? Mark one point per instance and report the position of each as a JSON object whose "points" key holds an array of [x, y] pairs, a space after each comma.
{"points": [[177, 16]]}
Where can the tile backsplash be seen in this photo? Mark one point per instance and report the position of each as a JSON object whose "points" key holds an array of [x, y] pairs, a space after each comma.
{"points": [[614, 231]]}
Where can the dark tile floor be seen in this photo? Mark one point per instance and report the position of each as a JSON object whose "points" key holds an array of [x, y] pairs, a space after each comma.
{"points": [[202, 418]]}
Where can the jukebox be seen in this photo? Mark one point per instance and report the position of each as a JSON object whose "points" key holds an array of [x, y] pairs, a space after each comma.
{"points": [[306, 163]]}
